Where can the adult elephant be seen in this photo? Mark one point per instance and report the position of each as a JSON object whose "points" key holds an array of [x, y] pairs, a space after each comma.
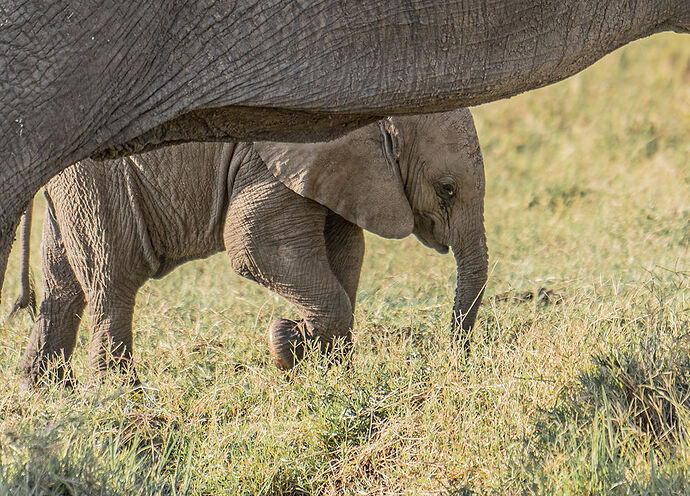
{"points": [[83, 78]]}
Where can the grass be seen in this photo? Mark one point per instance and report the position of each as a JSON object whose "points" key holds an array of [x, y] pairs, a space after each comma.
{"points": [[578, 380]]}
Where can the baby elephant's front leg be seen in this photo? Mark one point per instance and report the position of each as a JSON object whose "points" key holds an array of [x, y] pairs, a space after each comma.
{"points": [[276, 238], [345, 251]]}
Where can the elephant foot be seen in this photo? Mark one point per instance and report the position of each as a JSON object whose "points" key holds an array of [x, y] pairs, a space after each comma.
{"points": [[48, 373], [286, 342], [121, 370]]}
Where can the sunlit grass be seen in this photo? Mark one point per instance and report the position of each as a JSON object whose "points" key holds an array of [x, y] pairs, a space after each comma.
{"points": [[577, 380]]}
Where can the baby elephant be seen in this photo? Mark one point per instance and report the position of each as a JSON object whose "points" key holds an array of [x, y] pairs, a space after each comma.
{"points": [[289, 215]]}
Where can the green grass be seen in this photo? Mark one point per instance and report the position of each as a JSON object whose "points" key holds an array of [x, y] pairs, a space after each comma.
{"points": [[578, 380]]}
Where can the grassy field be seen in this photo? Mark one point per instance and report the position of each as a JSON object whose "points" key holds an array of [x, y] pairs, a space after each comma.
{"points": [[578, 381]]}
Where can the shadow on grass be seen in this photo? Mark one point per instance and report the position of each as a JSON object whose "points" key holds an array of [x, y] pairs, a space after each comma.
{"points": [[61, 460], [622, 427]]}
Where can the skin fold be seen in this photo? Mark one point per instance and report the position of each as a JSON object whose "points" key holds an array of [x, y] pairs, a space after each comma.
{"points": [[286, 220], [80, 78]]}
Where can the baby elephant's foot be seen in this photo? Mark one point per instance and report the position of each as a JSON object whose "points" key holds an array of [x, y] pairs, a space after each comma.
{"points": [[48, 373], [286, 342], [119, 370]]}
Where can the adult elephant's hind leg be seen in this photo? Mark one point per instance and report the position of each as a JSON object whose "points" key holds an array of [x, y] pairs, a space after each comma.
{"points": [[55, 330]]}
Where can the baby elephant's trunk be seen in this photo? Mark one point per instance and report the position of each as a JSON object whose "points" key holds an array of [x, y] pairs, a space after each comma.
{"points": [[471, 256]]}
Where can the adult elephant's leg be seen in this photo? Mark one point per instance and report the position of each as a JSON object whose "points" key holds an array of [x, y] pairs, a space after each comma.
{"points": [[55, 330], [276, 238], [345, 248]]}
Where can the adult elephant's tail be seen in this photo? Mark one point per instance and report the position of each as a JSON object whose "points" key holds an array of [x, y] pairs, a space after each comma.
{"points": [[27, 298]]}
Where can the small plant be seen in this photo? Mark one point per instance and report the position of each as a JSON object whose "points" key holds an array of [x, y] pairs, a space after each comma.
{"points": [[647, 388]]}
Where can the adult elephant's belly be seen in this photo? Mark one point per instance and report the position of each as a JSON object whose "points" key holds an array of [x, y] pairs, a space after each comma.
{"points": [[241, 124]]}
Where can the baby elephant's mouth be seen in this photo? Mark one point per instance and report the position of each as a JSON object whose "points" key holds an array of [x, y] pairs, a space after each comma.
{"points": [[424, 229], [432, 243]]}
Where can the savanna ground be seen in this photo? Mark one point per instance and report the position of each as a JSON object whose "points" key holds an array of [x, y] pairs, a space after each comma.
{"points": [[578, 380]]}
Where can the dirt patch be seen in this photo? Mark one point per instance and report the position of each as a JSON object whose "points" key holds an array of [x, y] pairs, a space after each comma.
{"points": [[543, 296]]}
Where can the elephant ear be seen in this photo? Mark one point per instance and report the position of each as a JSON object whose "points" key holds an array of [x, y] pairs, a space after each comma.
{"points": [[357, 176]]}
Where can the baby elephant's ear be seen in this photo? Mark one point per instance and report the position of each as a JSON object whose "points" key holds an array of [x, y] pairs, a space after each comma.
{"points": [[356, 176]]}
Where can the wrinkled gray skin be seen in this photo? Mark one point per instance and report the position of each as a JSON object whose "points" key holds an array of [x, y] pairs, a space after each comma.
{"points": [[290, 217], [81, 78]]}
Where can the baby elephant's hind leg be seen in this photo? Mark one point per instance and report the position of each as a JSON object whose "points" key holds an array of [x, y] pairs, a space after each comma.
{"points": [[111, 330], [54, 333]]}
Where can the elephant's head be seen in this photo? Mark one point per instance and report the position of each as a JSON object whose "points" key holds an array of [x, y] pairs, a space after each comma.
{"points": [[413, 174]]}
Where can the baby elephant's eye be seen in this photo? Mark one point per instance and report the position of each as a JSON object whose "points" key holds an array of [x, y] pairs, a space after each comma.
{"points": [[445, 190]]}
